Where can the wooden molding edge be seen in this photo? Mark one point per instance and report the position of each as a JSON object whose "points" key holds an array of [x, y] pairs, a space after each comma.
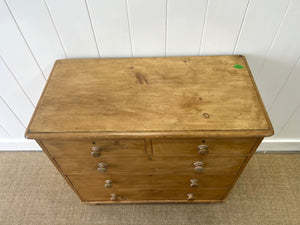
{"points": [[268, 145]]}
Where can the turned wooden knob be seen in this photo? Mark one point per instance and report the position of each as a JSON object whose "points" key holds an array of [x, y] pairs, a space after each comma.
{"points": [[194, 183], [108, 184], [202, 149], [198, 169], [198, 166], [96, 151], [113, 197], [102, 167], [190, 196]]}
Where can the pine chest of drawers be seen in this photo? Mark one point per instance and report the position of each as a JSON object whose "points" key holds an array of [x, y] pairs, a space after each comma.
{"points": [[172, 129]]}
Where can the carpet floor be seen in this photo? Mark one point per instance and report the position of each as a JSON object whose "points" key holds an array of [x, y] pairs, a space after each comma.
{"points": [[33, 192]]}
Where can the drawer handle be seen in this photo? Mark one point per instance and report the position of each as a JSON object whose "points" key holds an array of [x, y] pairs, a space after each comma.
{"points": [[202, 149], [190, 196], [102, 167], [96, 151], [108, 184], [194, 183], [113, 197], [198, 166]]}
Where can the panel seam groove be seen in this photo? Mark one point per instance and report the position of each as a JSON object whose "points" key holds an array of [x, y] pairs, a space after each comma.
{"points": [[12, 111], [5, 131], [284, 83], [166, 27], [12, 74], [258, 77], [129, 29], [24, 39], [91, 23], [54, 25], [203, 27], [241, 28], [288, 120]]}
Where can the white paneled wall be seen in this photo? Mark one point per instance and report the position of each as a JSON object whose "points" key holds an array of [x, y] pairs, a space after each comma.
{"points": [[35, 33], [181, 36]]}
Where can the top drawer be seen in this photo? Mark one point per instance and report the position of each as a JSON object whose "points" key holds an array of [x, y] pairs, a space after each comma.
{"points": [[100, 147], [207, 146]]}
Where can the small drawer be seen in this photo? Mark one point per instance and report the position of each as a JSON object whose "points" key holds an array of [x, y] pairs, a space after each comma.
{"points": [[96, 148], [159, 164], [115, 181], [201, 146], [93, 192]]}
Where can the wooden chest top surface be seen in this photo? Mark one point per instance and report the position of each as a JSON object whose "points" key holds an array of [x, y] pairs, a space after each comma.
{"points": [[180, 95]]}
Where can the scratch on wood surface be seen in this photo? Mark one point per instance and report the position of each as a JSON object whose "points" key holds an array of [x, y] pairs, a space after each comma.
{"points": [[141, 78]]}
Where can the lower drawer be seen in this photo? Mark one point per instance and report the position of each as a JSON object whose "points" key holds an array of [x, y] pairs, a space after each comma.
{"points": [[159, 164], [153, 181], [94, 193]]}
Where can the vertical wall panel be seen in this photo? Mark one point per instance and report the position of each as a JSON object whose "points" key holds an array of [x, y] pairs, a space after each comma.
{"points": [[13, 95], [9, 122], [282, 56], [148, 27], [35, 23], [110, 22], [259, 29], [287, 101], [71, 18], [292, 128], [222, 25], [17, 55], [184, 26]]}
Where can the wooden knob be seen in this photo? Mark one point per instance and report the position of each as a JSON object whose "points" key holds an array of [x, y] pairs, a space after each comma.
{"points": [[198, 169], [194, 183], [198, 163], [102, 167], [108, 184], [202, 149], [113, 197], [198, 166], [96, 151], [190, 196]]}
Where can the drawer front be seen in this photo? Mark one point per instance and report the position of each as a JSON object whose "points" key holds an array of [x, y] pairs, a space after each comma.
{"points": [[159, 164], [190, 146], [105, 147], [115, 181], [92, 192]]}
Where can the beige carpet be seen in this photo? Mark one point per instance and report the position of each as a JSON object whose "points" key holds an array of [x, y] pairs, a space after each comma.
{"points": [[32, 192]]}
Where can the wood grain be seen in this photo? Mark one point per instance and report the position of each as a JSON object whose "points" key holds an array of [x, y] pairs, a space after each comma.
{"points": [[83, 147], [158, 164], [189, 146], [176, 94], [95, 193], [155, 180], [145, 118]]}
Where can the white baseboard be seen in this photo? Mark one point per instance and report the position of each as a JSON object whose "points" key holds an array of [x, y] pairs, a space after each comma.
{"points": [[279, 145], [268, 145], [22, 144]]}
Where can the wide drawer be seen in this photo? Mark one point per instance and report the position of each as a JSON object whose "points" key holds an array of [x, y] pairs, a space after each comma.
{"points": [[92, 192], [107, 147], [155, 180], [190, 146], [159, 164]]}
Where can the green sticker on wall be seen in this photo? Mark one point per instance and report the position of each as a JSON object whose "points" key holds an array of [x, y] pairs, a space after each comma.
{"points": [[238, 66]]}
